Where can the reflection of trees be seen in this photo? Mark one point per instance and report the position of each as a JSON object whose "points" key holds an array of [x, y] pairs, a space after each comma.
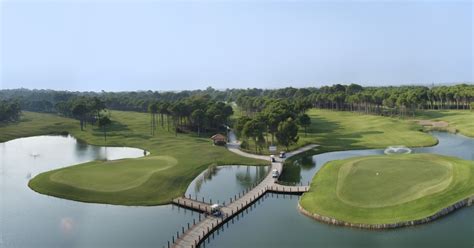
{"points": [[244, 178], [247, 178], [291, 173], [83, 149], [307, 163], [262, 172], [208, 174]]}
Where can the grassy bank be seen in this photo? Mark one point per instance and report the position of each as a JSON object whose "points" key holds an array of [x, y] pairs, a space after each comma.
{"points": [[461, 120], [165, 174], [389, 189]]}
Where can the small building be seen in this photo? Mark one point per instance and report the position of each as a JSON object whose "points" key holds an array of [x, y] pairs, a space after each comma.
{"points": [[219, 139]]}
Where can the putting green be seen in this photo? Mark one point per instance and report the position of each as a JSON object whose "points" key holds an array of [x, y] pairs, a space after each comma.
{"points": [[402, 179], [165, 174], [389, 189], [112, 176]]}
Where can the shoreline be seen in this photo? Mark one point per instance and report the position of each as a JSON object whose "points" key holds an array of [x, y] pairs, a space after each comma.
{"points": [[467, 202]]}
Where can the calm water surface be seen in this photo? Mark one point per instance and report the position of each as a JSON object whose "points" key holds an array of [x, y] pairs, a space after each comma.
{"points": [[276, 222], [29, 219], [222, 183]]}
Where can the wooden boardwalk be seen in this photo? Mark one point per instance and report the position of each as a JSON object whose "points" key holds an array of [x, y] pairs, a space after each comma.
{"points": [[196, 205], [195, 234]]}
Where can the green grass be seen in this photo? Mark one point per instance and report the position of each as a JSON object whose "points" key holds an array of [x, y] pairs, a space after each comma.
{"points": [[461, 120], [165, 174], [336, 130], [407, 187], [33, 124], [340, 130]]}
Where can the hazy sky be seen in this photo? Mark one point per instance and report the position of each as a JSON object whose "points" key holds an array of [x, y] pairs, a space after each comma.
{"points": [[140, 45]]}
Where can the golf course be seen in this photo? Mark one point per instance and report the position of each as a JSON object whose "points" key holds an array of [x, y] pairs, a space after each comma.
{"points": [[388, 189], [173, 162]]}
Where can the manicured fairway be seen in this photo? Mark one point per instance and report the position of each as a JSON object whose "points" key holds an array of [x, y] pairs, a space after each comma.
{"points": [[389, 188], [337, 130], [341, 130], [165, 174]]}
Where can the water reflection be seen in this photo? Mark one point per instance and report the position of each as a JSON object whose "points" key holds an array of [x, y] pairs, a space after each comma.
{"points": [[29, 219], [221, 183], [275, 222], [207, 175], [449, 144]]}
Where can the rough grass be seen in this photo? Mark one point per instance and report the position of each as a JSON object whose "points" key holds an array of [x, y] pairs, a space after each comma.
{"points": [[461, 120], [143, 181], [406, 188]]}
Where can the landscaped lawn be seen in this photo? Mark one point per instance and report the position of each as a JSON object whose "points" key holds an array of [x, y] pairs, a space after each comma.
{"points": [[386, 189], [341, 130], [338, 130], [165, 174]]}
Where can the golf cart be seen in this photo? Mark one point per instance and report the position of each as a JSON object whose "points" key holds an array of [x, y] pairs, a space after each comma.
{"points": [[282, 154], [275, 173], [216, 210]]}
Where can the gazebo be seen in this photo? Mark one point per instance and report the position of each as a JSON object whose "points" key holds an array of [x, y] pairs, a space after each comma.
{"points": [[219, 139]]}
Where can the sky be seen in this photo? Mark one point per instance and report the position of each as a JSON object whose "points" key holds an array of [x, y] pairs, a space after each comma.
{"points": [[176, 45]]}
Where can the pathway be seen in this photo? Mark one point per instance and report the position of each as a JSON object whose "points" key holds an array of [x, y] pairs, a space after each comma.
{"points": [[196, 233]]}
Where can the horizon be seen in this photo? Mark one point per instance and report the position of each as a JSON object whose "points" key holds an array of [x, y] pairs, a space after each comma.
{"points": [[175, 46], [236, 88]]}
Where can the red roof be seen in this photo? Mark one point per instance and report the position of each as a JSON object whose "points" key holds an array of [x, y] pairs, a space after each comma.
{"points": [[218, 137]]}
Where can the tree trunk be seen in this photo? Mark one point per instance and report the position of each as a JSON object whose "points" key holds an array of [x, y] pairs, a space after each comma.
{"points": [[105, 133]]}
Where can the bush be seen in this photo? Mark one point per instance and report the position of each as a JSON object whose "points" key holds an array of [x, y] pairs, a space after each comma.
{"points": [[244, 144]]}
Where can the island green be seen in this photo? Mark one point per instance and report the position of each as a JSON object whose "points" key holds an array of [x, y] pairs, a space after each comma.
{"points": [[387, 189]]}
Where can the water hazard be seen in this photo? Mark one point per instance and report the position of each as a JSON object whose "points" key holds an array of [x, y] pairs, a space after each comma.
{"points": [[29, 219], [276, 222]]}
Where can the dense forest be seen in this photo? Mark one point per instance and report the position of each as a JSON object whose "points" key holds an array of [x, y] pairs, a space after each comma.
{"points": [[9, 111], [400, 101], [277, 113]]}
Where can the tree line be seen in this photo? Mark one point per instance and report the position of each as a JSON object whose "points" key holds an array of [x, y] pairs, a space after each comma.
{"points": [[388, 101], [9, 111], [279, 118], [210, 110], [197, 113]]}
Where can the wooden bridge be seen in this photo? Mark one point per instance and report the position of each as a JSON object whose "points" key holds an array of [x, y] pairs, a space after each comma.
{"points": [[195, 234]]}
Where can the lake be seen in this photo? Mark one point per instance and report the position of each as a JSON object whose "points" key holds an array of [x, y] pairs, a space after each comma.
{"points": [[29, 219], [276, 222]]}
